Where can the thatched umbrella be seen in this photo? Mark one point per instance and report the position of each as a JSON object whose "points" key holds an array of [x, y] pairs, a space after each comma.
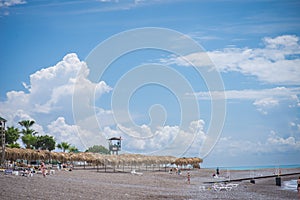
{"points": [[99, 159], [11, 154], [58, 156]]}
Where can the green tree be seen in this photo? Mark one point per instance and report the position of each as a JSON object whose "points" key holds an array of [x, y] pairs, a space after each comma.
{"points": [[14, 145], [12, 134], [45, 142], [29, 139], [64, 146], [73, 149], [98, 149]]}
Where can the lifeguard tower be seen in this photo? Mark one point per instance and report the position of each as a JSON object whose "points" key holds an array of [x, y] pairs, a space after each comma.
{"points": [[2, 135], [114, 145]]}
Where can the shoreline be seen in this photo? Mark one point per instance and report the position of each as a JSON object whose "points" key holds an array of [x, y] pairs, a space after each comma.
{"points": [[90, 184], [255, 167]]}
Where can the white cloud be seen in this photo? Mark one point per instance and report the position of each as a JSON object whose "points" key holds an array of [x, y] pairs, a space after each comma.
{"points": [[47, 99], [263, 99], [283, 144], [64, 132], [171, 139], [273, 144], [277, 62], [51, 89], [9, 3], [250, 94], [265, 103]]}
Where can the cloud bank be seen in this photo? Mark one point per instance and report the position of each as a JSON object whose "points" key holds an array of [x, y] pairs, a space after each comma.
{"points": [[277, 62]]}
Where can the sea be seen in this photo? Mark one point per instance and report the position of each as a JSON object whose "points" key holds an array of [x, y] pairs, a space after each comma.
{"points": [[256, 167]]}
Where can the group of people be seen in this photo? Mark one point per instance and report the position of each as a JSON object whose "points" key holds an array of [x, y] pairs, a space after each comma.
{"points": [[176, 170], [65, 167]]}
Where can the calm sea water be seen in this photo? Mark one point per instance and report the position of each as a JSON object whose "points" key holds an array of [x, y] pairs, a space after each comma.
{"points": [[257, 167]]}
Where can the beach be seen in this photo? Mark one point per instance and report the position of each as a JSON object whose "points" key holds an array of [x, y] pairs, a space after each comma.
{"points": [[90, 184]]}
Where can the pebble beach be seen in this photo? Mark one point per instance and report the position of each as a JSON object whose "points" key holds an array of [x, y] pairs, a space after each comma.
{"points": [[90, 184]]}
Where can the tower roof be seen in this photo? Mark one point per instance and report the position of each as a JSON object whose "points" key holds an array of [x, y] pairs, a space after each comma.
{"points": [[115, 138], [2, 119]]}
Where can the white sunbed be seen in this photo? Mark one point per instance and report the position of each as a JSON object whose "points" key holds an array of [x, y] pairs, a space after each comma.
{"points": [[221, 186], [136, 173]]}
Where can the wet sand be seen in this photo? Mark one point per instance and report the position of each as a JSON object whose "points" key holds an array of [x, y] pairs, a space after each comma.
{"points": [[90, 184]]}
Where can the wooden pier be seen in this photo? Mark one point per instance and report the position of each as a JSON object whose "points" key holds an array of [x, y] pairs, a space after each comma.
{"points": [[251, 178]]}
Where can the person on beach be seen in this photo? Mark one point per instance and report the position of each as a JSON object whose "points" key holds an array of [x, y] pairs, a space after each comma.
{"points": [[298, 184], [43, 169], [188, 178], [217, 171]]}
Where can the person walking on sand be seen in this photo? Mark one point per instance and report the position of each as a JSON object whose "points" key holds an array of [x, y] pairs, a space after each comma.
{"points": [[298, 184], [217, 171], [188, 178]]}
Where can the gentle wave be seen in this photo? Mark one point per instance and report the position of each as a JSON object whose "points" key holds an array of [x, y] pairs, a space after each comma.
{"points": [[290, 185]]}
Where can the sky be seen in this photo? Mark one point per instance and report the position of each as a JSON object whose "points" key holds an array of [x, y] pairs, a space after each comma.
{"points": [[213, 79]]}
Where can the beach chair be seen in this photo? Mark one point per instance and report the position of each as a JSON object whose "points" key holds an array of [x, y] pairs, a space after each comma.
{"points": [[133, 172], [220, 186], [8, 171], [233, 185]]}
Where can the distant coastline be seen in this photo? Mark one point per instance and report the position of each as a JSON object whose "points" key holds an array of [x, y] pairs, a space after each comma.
{"points": [[255, 167]]}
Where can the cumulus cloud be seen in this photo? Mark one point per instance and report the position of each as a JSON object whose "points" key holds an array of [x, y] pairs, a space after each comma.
{"points": [[169, 140], [51, 89], [276, 62], [47, 99], [63, 131]]}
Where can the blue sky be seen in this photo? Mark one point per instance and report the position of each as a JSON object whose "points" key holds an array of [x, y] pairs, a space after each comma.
{"points": [[254, 46]]}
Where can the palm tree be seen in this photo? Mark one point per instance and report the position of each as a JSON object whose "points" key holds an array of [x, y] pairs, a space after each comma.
{"points": [[73, 149], [27, 124], [28, 138], [64, 146]]}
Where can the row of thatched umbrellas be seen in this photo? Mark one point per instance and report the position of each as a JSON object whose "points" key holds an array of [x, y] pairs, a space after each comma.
{"points": [[99, 159]]}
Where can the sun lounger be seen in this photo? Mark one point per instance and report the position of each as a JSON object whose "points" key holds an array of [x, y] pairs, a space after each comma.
{"points": [[220, 186], [133, 172], [15, 173], [233, 185], [8, 171]]}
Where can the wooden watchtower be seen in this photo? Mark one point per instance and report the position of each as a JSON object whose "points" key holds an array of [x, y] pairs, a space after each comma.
{"points": [[2, 135], [114, 145]]}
